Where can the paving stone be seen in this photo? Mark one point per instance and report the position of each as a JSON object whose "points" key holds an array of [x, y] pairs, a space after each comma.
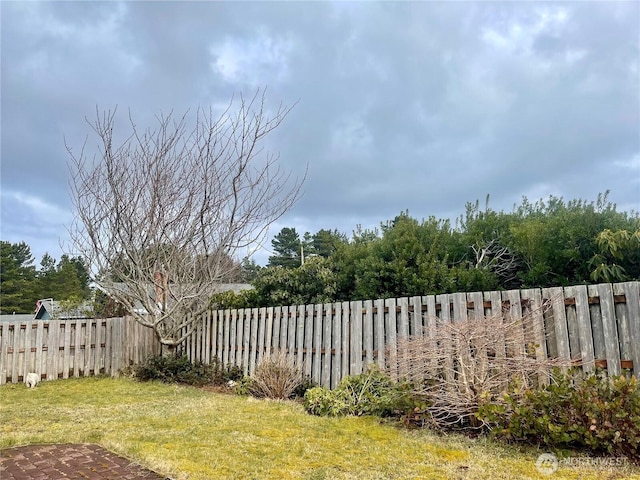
{"points": [[74, 461]]}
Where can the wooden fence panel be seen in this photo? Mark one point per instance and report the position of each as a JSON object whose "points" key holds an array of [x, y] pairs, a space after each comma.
{"points": [[598, 325]]}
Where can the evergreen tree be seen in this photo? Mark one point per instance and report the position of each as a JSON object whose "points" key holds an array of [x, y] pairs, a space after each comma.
{"points": [[17, 278], [325, 243], [250, 270], [68, 284], [286, 246]]}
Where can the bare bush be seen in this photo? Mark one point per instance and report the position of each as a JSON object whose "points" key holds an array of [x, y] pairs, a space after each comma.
{"points": [[457, 365], [276, 377]]}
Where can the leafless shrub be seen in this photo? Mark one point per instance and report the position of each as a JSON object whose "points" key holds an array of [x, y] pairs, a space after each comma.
{"points": [[457, 365], [276, 377]]}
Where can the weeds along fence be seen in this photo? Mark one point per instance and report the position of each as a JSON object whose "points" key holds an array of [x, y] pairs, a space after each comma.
{"points": [[72, 348], [594, 326]]}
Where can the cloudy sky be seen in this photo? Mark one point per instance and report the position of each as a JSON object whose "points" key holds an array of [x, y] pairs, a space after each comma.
{"points": [[421, 106]]}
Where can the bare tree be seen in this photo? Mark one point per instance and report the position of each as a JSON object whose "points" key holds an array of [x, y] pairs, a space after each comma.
{"points": [[159, 215]]}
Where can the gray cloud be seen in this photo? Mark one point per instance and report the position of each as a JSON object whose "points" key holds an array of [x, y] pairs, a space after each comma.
{"points": [[410, 105]]}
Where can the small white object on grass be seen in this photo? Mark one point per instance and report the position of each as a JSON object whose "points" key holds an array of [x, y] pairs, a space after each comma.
{"points": [[32, 379]]}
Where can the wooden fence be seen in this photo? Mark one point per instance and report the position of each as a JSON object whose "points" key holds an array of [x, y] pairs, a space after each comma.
{"points": [[595, 325], [72, 348]]}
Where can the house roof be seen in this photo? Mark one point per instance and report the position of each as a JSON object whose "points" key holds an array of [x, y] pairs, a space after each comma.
{"points": [[47, 309]]}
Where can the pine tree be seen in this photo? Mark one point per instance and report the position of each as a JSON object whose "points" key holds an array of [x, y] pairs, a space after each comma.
{"points": [[286, 246], [17, 278]]}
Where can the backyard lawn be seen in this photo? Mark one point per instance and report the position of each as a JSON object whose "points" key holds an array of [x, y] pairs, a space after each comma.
{"points": [[189, 433]]}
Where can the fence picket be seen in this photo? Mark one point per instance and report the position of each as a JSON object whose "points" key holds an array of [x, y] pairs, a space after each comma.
{"points": [[318, 331], [403, 334], [261, 334], [379, 329], [4, 351], [344, 346], [28, 363], [307, 362], [609, 327], [579, 293], [336, 369], [284, 323], [391, 337], [632, 294], [355, 344], [66, 360], [300, 328], [52, 350], [535, 318], [292, 331], [367, 333], [246, 340], [253, 341], [326, 344], [269, 333]]}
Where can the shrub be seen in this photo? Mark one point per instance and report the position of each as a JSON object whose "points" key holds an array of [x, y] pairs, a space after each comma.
{"points": [[370, 393], [456, 363], [325, 402], [175, 369], [275, 377], [243, 386], [222, 374], [594, 411], [305, 384]]}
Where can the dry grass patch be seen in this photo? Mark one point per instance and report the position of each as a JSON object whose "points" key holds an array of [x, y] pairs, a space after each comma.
{"points": [[188, 433]]}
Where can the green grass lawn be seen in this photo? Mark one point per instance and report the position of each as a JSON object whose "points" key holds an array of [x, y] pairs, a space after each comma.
{"points": [[188, 433]]}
